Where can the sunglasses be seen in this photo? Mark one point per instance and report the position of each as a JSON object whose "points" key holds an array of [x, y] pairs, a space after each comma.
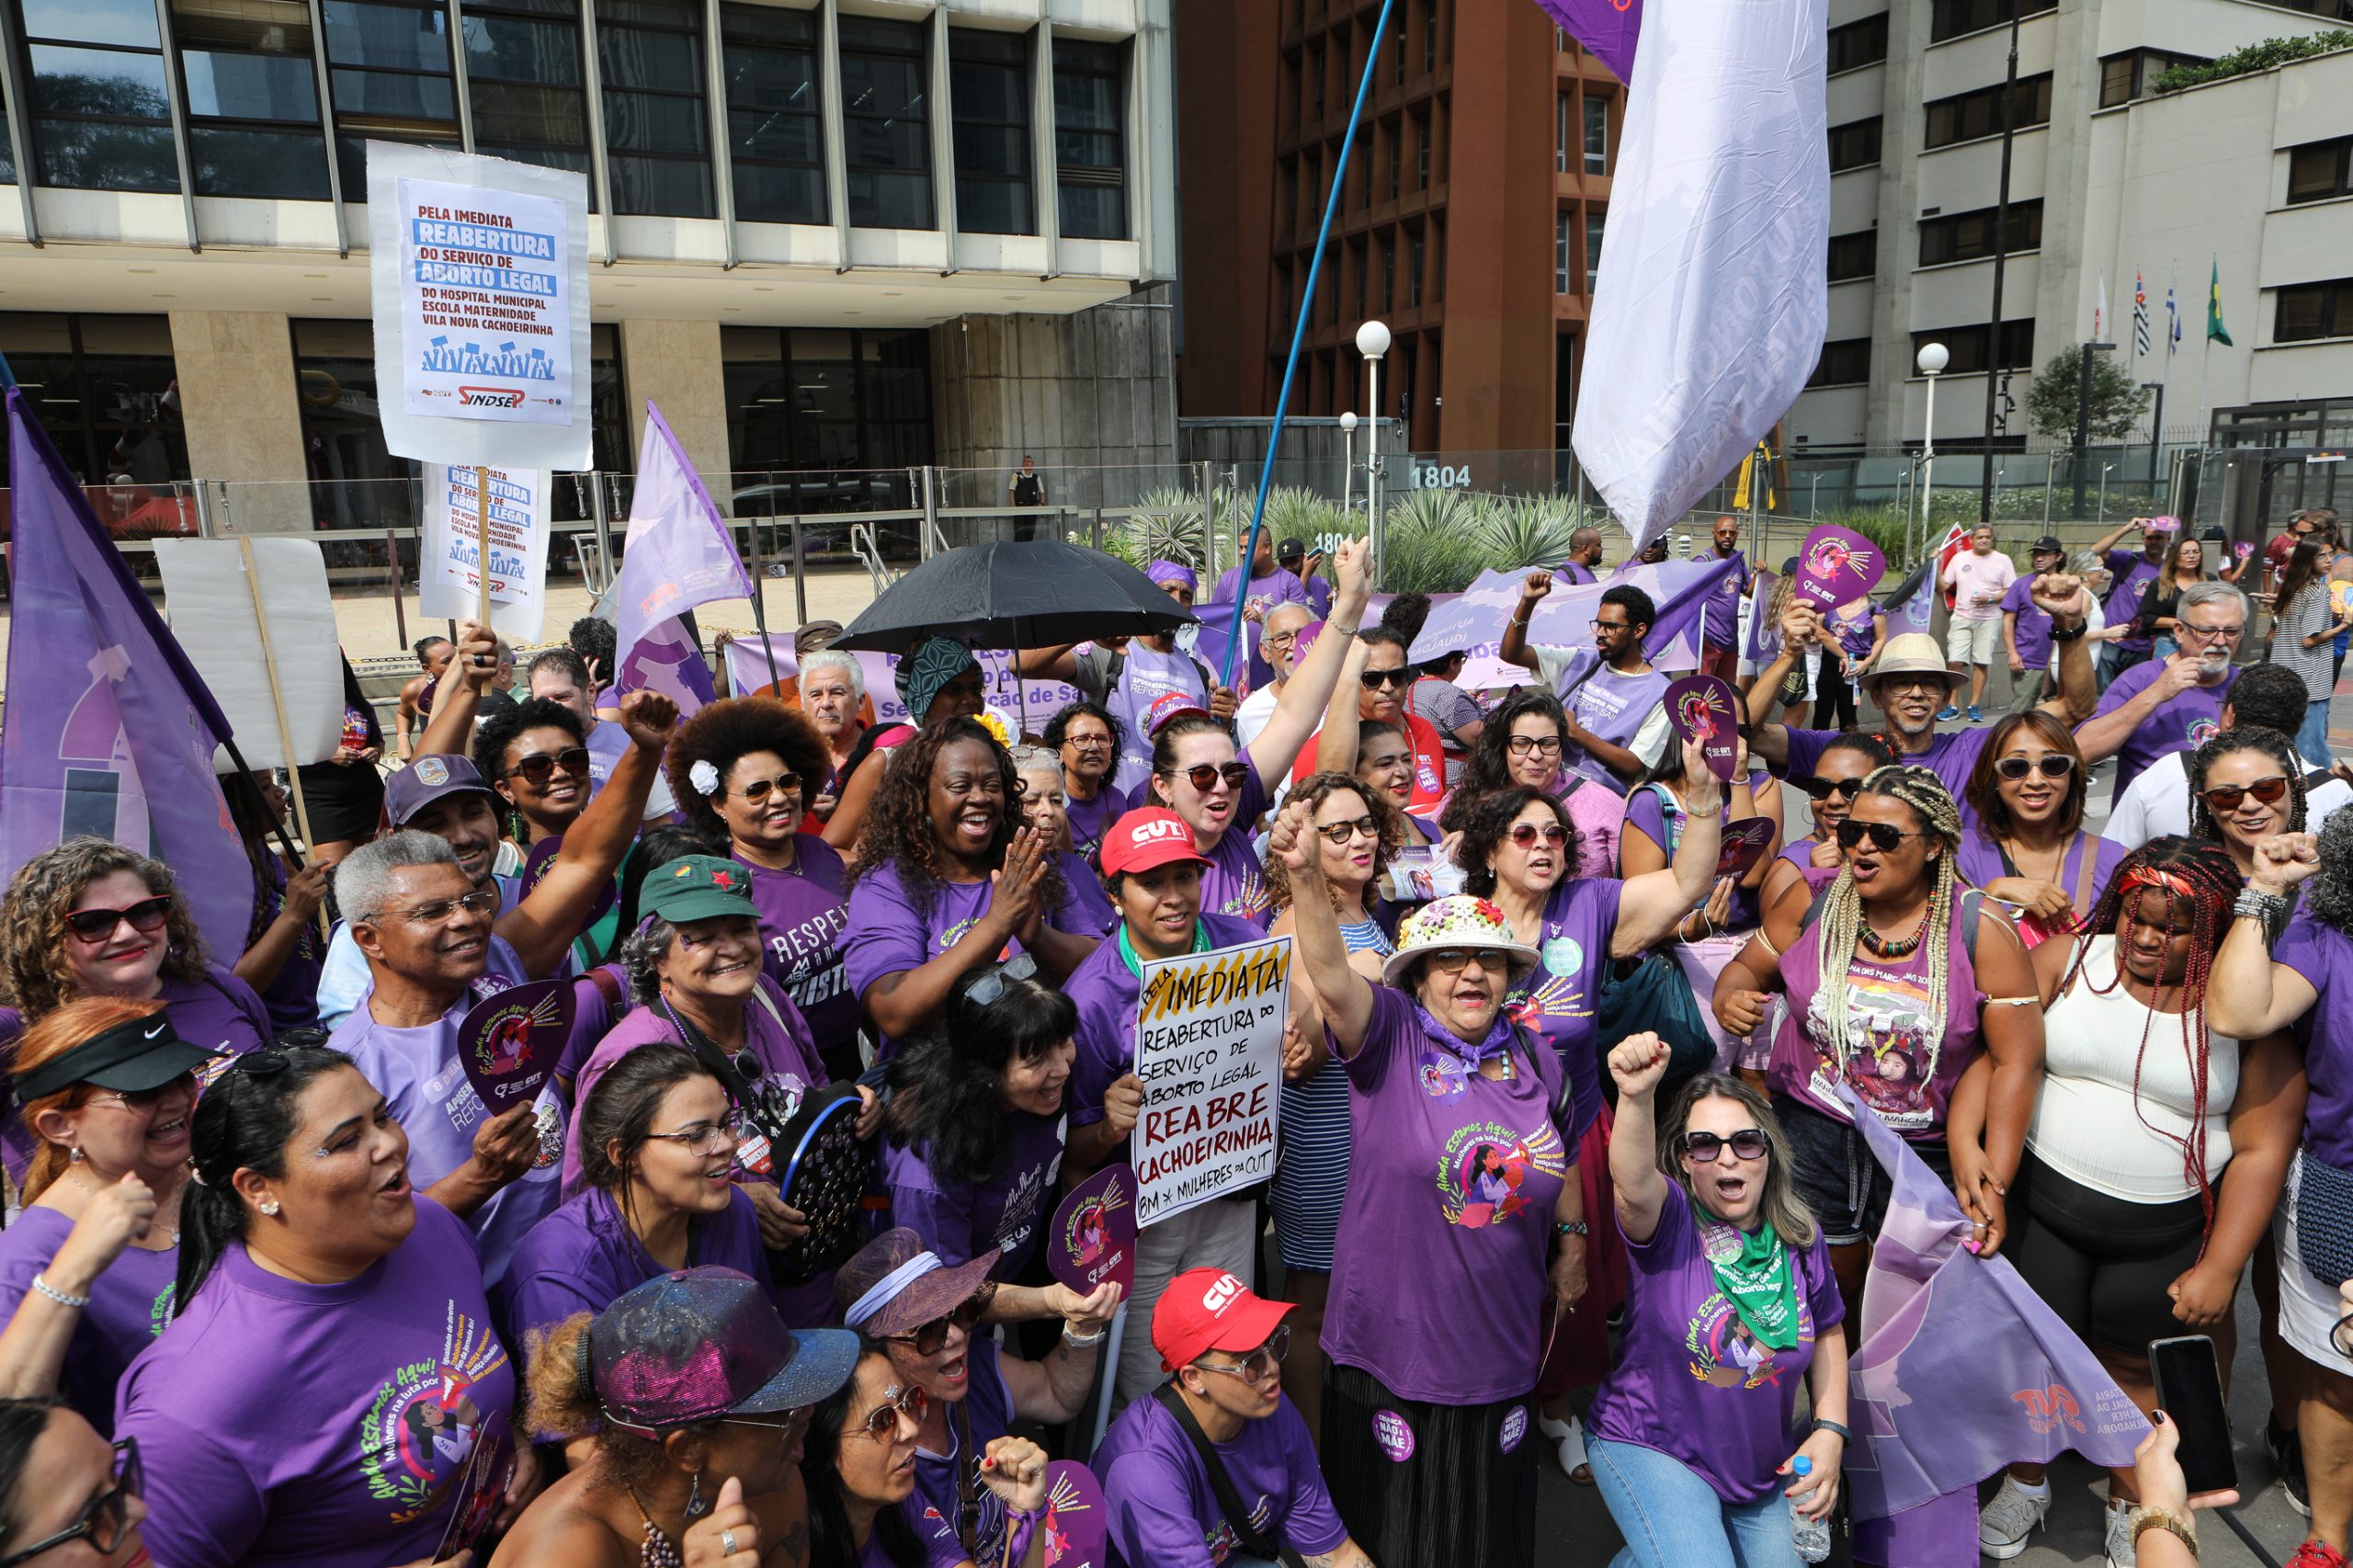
{"points": [[1748, 1143], [2051, 764], [1204, 775], [1883, 839], [2226, 797], [1543, 745], [1260, 1366], [97, 925], [145, 1099], [1454, 961], [881, 1423], [540, 768], [985, 991], [1341, 832], [102, 1523], [1397, 679], [759, 790], [1823, 789], [928, 1337], [1527, 833]]}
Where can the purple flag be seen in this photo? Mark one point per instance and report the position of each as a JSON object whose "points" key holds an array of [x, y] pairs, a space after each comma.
{"points": [[1764, 642], [110, 731], [1607, 29], [678, 555], [1961, 1369], [1475, 619]]}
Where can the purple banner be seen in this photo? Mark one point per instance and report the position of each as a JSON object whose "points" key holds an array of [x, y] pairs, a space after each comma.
{"points": [[1475, 617], [110, 731], [1607, 28], [678, 554]]}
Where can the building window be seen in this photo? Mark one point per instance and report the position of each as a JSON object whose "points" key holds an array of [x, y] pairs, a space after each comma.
{"points": [[1597, 135], [1430, 36], [2309, 310], [1413, 268], [775, 130], [657, 146], [1422, 153], [1951, 18], [2124, 77], [1313, 109], [1563, 268], [388, 78], [1090, 140], [1359, 265], [1846, 362], [1855, 145], [102, 113], [988, 88], [101, 385], [1594, 222], [526, 80], [2317, 171], [1858, 43], [1854, 256], [1560, 133], [883, 119], [253, 99], [1396, 159], [1967, 347], [827, 406], [1388, 273], [1969, 236], [1967, 116]]}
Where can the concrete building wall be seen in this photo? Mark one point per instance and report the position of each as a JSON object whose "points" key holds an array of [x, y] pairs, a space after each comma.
{"points": [[238, 407], [676, 366], [1095, 388]]}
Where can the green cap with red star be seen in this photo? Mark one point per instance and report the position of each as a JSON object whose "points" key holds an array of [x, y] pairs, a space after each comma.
{"points": [[699, 887]]}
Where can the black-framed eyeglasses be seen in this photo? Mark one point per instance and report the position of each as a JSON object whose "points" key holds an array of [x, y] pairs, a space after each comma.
{"points": [[759, 790], [928, 1338], [2051, 764], [1884, 836], [1204, 775], [985, 991], [1543, 745], [97, 925], [1823, 789], [705, 1138], [1341, 832], [482, 900], [1397, 679], [2226, 797], [102, 1521], [541, 767], [881, 1423], [1748, 1143], [1259, 1365]]}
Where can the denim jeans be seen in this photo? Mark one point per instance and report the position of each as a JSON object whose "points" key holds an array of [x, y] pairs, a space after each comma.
{"points": [[2312, 740], [1672, 1518]]}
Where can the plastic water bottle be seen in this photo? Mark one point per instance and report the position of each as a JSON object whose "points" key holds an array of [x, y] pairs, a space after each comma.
{"points": [[1810, 1537]]}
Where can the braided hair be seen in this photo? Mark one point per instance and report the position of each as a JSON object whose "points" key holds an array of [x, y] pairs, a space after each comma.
{"points": [[2247, 737], [1842, 910], [2202, 876]]}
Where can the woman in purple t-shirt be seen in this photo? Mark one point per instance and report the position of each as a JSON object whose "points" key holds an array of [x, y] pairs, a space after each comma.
{"points": [[2029, 848], [1045, 809], [1694, 1431], [1838, 773], [743, 771], [1521, 748]]}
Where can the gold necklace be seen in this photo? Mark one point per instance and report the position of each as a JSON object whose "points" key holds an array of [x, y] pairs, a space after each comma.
{"points": [[93, 1191]]}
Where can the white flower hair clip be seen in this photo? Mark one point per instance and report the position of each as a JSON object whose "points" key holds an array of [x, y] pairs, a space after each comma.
{"points": [[704, 777]]}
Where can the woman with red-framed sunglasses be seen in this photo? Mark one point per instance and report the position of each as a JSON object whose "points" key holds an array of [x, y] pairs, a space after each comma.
{"points": [[2245, 785]]}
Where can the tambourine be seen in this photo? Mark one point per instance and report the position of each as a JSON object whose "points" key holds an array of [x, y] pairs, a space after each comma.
{"points": [[822, 1172]]}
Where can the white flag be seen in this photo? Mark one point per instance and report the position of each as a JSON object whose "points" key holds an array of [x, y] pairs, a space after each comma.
{"points": [[1711, 307]]}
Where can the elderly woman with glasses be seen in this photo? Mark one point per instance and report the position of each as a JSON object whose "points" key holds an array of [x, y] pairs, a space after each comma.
{"points": [[923, 1312], [1521, 748], [67, 1498], [2028, 848], [1084, 738], [1045, 810], [688, 1403]]}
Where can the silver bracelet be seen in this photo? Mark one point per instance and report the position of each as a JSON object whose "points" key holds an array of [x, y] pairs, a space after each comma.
{"points": [[1081, 1342], [2259, 905], [60, 1297]]}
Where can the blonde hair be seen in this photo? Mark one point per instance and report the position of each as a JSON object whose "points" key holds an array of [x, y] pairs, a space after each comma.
{"points": [[1777, 1202], [1842, 909]]}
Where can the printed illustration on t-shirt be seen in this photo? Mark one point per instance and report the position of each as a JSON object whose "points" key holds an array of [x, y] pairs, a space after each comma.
{"points": [[1023, 1200], [1725, 1354], [1888, 1062], [1246, 896], [2201, 731], [1486, 1165], [418, 1431], [1547, 996]]}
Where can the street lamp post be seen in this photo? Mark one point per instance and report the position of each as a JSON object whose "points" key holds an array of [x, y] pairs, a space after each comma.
{"points": [[1372, 343], [1348, 462], [1932, 361], [2105, 469]]}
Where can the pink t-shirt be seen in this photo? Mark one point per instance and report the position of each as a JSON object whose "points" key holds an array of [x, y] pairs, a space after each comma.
{"points": [[1978, 582]]}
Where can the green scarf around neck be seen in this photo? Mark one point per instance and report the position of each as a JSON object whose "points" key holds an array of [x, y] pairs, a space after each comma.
{"points": [[1135, 965], [1752, 1270]]}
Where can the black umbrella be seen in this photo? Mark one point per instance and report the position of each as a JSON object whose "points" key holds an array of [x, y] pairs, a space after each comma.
{"points": [[1017, 594]]}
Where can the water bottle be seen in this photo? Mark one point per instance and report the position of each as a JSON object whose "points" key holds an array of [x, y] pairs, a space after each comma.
{"points": [[1810, 1537]]}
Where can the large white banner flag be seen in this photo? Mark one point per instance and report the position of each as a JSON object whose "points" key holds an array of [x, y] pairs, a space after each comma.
{"points": [[1710, 310]]}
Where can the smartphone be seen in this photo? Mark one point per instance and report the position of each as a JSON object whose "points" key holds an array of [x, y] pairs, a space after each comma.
{"points": [[2189, 1390]]}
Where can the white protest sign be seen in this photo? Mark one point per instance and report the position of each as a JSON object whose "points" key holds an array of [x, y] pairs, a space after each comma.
{"points": [[450, 577], [211, 606], [1209, 1050], [478, 272]]}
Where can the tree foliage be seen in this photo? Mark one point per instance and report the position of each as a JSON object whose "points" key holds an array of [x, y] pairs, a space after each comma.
{"points": [[2117, 403]]}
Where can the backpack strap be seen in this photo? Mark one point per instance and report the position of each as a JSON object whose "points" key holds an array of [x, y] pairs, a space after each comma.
{"points": [[1221, 1484]]}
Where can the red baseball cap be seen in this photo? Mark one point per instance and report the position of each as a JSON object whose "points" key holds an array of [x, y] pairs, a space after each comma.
{"points": [[1208, 1309], [1148, 836]]}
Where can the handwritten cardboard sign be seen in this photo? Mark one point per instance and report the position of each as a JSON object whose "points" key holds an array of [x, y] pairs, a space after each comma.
{"points": [[1094, 1235], [1836, 566], [1209, 1050], [1706, 709], [1077, 1525], [509, 1044]]}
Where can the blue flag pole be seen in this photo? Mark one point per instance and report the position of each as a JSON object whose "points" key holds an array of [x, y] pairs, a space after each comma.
{"points": [[1299, 337]]}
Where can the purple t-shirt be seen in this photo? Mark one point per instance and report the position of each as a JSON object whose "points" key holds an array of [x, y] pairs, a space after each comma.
{"points": [[419, 1071], [962, 1219], [1980, 862], [2187, 718], [888, 935], [2320, 952], [2131, 572], [1165, 1513], [393, 1373], [1105, 991], [1721, 617], [1613, 707], [1855, 635], [1950, 755], [130, 1304], [2033, 631], [1279, 586], [1234, 881], [803, 920], [1647, 811], [1691, 1382], [1090, 820], [1438, 1271], [1561, 998], [932, 1507], [1087, 910], [583, 1258], [1574, 574]]}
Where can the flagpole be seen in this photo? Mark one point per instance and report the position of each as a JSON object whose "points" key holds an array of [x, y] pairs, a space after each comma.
{"points": [[278, 701]]}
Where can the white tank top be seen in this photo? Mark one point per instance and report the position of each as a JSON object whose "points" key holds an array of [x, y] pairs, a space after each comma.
{"points": [[2087, 1125]]}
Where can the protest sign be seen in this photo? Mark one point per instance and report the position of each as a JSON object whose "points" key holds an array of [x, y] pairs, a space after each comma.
{"points": [[479, 278], [1094, 1234], [1743, 846], [1077, 1525], [509, 1045], [1209, 1050], [1836, 566], [1703, 708], [215, 611], [483, 1488], [450, 555]]}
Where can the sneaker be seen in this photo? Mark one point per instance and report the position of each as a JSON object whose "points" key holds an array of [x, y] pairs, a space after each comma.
{"points": [[1947, 714], [2120, 1534], [1975, 716], [2317, 1554], [1810, 1537], [2009, 1517], [2286, 1452]]}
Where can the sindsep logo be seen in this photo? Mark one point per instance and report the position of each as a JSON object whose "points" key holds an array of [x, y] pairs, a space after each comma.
{"points": [[491, 397]]}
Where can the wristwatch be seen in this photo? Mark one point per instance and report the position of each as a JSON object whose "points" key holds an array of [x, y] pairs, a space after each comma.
{"points": [[1571, 1228]]}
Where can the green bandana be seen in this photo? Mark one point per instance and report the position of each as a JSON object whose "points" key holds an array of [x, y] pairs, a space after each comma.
{"points": [[1752, 1268], [1135, 964]]}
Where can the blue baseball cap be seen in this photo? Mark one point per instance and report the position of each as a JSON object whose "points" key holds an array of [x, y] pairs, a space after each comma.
{"points": [[427, 779]]}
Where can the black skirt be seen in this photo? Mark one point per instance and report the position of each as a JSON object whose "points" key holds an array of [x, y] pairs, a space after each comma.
{"points": [[346, 802], [1431, 1483]]}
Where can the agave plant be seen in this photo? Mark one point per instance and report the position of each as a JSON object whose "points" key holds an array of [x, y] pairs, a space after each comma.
{"points": [[1518, 532]]}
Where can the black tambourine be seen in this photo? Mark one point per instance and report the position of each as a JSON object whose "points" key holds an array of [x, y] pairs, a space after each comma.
{"points": [[821, 1169]]}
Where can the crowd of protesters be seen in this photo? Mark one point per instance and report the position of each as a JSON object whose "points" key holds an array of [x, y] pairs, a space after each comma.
{"points": [[1570, 1153]]}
